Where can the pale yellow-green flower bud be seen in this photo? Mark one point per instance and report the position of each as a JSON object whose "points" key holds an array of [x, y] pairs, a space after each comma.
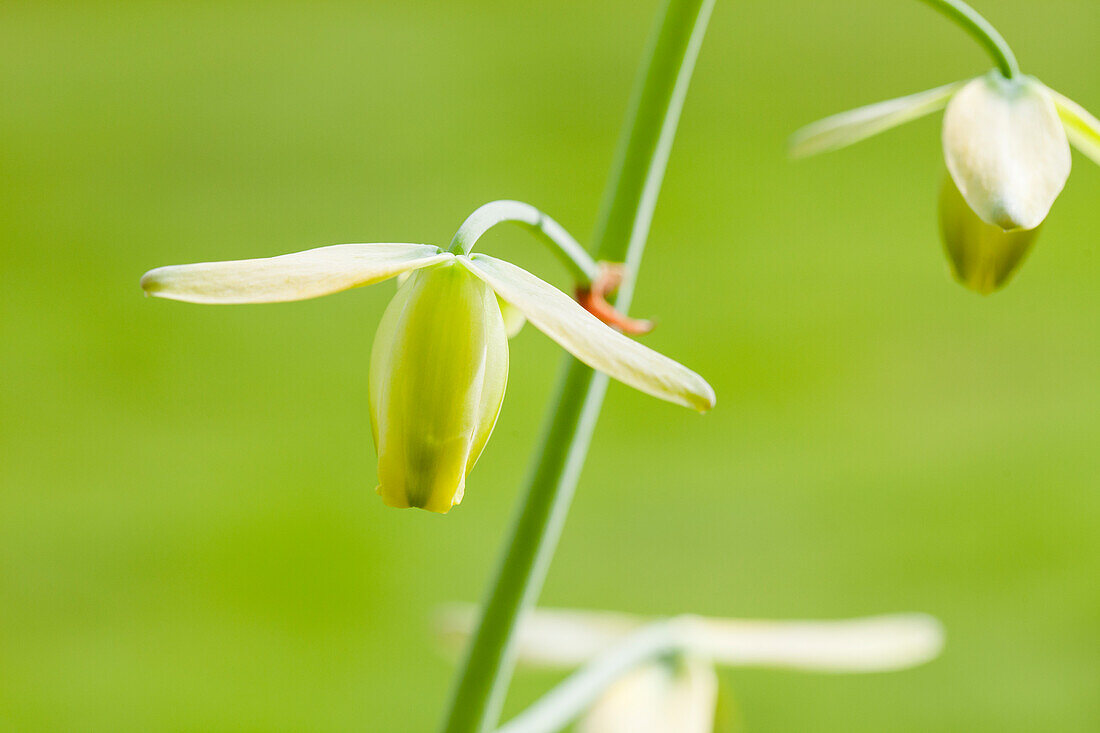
{"points": [[1006, 143], [659, 697], [983, 256], [438, 371]]}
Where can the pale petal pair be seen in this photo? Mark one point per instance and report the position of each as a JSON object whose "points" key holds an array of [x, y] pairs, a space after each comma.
{"points": [[439, 364], [681, 694], [1006, 147], [327, 270], [561, 638]]}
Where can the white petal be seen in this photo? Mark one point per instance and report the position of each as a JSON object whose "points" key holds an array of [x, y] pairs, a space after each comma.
{"points": [[589, 339], [297, 276], [1006, 149], [849, 127], [554, 638], [1082, 129], [858, 645], [657, 698], [568, 638]]}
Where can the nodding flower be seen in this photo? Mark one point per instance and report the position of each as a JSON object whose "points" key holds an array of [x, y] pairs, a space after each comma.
{"points": [[1006, 143], [439, 362], [660, 674]]}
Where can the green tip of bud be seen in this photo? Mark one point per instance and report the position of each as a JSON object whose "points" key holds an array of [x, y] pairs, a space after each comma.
{"points": [[983, 256], [439, 368]]}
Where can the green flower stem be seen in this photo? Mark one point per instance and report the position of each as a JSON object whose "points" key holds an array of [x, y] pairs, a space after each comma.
{"points": [[579, 263], [982, 31], [620, 237]]}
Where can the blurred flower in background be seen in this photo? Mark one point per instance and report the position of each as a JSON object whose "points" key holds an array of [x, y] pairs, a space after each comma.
{"points": [[677, 691], [1006, 146], [668, 695]]}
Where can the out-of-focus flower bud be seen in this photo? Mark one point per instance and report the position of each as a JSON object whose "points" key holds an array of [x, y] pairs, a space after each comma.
{"points": [[983, 256], [438, 371], [1006, 149], [676, 696], [1006, 143]]}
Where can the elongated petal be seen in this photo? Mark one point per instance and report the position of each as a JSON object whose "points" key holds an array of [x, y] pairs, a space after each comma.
{"points": [[849, 127], [567, 638], [1006, 149], [548, 637], [657, 698], [1082, 129], [590, 340], [983, 257], [872, 644], [297, 276]]}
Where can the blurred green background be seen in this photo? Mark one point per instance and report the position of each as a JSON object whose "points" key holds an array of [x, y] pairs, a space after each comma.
{"points": [[189, 537]]}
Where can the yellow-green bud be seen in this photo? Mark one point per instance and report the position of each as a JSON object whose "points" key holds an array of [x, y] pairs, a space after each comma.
{"points": [[438, 371], [983, 256]]}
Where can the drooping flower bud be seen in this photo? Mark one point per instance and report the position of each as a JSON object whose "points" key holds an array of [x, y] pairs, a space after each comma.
{"points": [[1006, 150], [675, 695], [439, 368], [1006, 143], [983, 256]]}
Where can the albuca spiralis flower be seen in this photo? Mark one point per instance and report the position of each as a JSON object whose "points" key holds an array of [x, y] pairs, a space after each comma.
{"points": [[439, 363], [1006, 146], [661, 672]]}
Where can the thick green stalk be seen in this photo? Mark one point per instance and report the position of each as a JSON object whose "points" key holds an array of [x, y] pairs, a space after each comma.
{"points": [[620, 236], [982, 31]]}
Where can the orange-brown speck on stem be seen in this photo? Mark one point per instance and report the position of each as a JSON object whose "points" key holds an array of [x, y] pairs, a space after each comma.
{"points": [[593, 299]]}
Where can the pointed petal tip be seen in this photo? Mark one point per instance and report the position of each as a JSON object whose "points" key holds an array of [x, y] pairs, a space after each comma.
{"points": [[157, 284], [704, 398], [149, 281], [797, 149]]}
